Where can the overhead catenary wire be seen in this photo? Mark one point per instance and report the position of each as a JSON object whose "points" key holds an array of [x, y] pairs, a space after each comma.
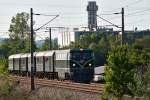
{"points": [[128, 5], [31, 4], [45, 14], [137, 12], [46, 23], [137, 21], [131, 14], [108, 22], [133, 3]]}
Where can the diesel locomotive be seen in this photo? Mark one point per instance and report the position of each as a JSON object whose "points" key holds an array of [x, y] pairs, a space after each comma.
{"points": [[70, 64]]}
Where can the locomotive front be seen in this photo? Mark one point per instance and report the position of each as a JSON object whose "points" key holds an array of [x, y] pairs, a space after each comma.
{"points": [[81, 65]]}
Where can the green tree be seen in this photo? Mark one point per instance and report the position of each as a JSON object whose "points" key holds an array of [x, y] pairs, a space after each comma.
{"points": [[3, 67], [142, 42], [101, 43], [19, 40], [120, 71], [143, 71], [19, 27], [45, 45]]}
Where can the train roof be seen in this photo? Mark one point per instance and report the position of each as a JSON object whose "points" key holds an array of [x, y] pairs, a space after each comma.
{"points": [[66, 50], [45, 53], [15, 56], [40, 54], [49, 53], [29, 55], [11, 57], [24, 55]]}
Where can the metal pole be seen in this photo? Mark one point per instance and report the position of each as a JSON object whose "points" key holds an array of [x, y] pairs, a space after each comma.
{"points": [[122, 36], [32, 51], [50, 39]]}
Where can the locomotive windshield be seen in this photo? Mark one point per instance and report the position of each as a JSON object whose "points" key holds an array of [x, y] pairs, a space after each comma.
{"points": [[82, 56]]}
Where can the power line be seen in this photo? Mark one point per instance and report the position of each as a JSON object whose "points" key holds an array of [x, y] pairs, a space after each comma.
{"points": [[130, 4], [141, 20], [46, 23], [133, 3], [108, 22], [130, 14], [48, 5], [45, 14], [137, 12], [107, 14], [139, 15]]}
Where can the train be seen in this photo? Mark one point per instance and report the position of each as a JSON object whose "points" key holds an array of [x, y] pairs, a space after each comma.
{"points": [[70, 64]]}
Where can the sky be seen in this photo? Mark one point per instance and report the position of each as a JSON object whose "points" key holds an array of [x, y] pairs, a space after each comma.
{"points": [[72, 13]]}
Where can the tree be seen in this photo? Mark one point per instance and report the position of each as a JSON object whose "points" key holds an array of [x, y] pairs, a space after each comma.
{"points": [[45, 45], [101, 43], [19, 28], [19, 40], [143, 42], [143, 71], [120, 71], [3, 67]]}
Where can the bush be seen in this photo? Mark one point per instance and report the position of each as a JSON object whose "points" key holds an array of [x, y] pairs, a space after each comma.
{"points": [[119, 72], [3, 68], [6, 87]]}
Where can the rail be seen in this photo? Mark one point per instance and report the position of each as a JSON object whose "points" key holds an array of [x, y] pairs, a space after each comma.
{"points": [[93, 88]]}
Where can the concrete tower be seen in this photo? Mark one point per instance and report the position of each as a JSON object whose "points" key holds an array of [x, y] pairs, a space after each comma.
{"points": [[92, 18]]}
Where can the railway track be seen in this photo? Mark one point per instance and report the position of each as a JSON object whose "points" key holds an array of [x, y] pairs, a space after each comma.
{"points": [[92, 88]]}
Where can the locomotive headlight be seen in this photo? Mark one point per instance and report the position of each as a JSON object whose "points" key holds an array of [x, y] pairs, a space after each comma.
{"points": [[90, 64], [73, 65]]}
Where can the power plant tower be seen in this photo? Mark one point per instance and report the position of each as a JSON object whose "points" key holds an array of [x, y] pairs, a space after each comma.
{"points": [[92, 18]]}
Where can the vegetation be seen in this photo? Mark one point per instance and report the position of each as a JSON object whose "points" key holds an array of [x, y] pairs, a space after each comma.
{"points": [[127, 72], [45, 46], [142, 42], [101, 43], [3, 67], [19, 35], [5, 86], [120, 70], [19, 41], [128, 67]]}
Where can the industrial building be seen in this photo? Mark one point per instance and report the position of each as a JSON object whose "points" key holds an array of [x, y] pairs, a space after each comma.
{"points": [[72, 35], [92, 9], [65, 38]]}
